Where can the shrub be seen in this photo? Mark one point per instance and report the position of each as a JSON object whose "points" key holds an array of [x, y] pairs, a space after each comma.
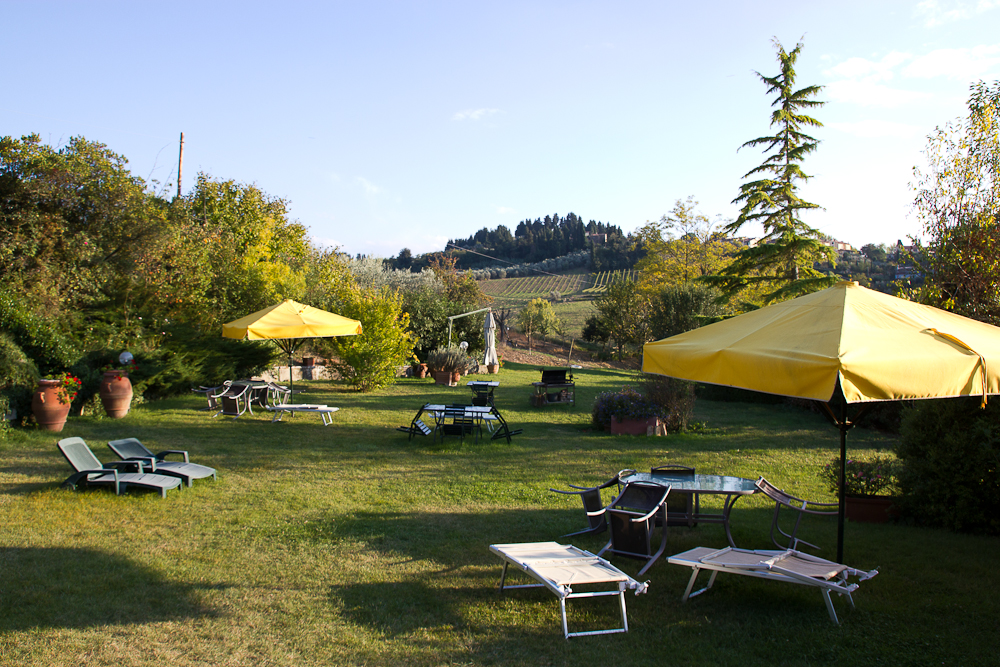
{"points": [[862, 477], [950, 451], [449, 360], [625, 404], [675, 398]]}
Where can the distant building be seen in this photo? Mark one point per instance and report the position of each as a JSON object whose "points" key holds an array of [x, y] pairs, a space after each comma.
{"points": [[839, 246], [598, 239]]}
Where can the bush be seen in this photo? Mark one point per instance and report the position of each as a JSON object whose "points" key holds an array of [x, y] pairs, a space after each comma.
{"points": [[449, 360], [625, 404], [675, 398], [950, 451], [863, 477]]}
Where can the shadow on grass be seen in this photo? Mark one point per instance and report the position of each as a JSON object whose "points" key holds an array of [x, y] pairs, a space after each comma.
{"points": [[78, 588]]}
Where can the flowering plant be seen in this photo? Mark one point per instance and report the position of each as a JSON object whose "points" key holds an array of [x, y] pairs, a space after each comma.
{"points": [[127, 368], [70, 386], [862, 477], [625, 404]]}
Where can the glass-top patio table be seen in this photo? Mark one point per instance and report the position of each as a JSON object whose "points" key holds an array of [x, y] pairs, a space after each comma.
{"points": [[733, 488]]}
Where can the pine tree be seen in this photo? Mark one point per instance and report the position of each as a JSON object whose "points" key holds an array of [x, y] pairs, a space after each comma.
{"points": [[781, 263]]}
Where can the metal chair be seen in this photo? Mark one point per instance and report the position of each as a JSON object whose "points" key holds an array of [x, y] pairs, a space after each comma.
{"points": [[691, 502], [234, 401], [632, 518], [799, 506], [593, 505]]}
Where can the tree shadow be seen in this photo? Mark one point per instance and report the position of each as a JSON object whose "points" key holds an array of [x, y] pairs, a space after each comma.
{"points": [[79, 588]]}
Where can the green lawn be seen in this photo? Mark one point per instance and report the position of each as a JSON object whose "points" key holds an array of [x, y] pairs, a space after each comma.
{"points": [[350, 545]]}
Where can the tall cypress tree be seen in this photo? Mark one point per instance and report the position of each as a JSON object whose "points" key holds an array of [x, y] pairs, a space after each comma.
{"points": [[781, 263]]}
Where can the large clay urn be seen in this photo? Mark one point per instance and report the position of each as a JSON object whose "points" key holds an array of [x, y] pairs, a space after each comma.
{"points": [[116, 393], [50, 405]]}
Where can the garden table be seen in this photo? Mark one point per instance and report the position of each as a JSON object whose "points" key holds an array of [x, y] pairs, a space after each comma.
{"points": [[733, 488], [325, 411]]}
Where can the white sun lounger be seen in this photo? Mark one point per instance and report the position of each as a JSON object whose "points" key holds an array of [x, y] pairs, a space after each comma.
{"points": [[325, 411], [790, 566], [559, 567]]}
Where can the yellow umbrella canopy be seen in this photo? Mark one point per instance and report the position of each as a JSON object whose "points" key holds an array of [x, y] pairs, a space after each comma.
{"points": [[287, 323], [879, 347], [872, 346], [290, 319]]}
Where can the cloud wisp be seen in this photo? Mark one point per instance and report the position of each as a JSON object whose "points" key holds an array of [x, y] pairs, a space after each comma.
{"points": [[936, 13], [474, 114]]}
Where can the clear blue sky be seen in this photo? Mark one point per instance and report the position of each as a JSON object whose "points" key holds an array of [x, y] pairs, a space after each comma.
{"points": [[402, 124]]}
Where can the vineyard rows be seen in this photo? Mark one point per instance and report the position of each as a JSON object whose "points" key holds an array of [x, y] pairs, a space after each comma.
{"points": [[533, 287]]}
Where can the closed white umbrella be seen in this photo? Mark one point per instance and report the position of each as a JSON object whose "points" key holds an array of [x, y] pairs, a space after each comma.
{"points": [[489, 333]]}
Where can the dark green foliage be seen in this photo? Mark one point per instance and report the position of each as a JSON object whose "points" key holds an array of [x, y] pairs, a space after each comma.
{"points": [[675, 398], [17, 380], [951, 478], [595, 330], [676, 309], [718, 392], [39, 338]]}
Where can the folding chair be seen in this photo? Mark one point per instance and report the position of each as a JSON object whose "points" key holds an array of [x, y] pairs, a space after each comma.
{"points": [[593, 505], [677, 515], [234, 401], [502, 430], [632, 519], [800, 507]]}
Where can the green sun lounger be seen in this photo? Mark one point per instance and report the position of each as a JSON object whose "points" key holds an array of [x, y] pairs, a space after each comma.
{"points": [[131, 449], [118, 475]]}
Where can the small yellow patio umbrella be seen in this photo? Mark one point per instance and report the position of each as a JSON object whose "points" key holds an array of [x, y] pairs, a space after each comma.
{"points": [[287, 323], [846, 341]]}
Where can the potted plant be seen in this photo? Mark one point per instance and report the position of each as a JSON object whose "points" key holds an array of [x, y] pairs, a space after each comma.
{"points": [[418, 369], [626, 412], [50, 402], [868, 487], [445, 363]]}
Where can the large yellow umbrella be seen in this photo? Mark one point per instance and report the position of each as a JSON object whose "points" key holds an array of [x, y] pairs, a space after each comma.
{"points": [[287, 323], [870, 345]]}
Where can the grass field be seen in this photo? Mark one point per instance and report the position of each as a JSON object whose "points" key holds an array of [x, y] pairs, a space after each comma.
{"points": [[350, 545]]}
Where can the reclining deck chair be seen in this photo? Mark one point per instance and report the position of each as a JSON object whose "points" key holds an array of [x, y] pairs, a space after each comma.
{"points": [[790, 566], [118, 474], [800, 507], [560, 568], [593, 506], [131, 449], [502, 429], [687, 505], [632, 518]]}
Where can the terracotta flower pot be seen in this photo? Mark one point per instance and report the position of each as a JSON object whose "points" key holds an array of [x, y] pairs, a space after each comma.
{"points": [[420, 371], [492, 369], [455, 377], [442, 377], [116, 393], [869, 509], [50, 405], [634, 426]]}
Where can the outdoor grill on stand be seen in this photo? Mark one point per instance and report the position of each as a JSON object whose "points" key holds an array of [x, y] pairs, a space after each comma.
{"points": [[554, 388]]}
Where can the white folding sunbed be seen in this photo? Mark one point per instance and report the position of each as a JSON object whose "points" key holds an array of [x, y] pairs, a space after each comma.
{"points": [[790, 566], [325, 411], [559, 567]]}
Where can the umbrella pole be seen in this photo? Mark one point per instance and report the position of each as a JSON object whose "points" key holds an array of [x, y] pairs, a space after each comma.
{"points": [[843, 425]]}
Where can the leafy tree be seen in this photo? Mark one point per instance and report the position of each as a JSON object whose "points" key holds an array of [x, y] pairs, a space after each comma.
{"points": [[958, 200], [680, 247], [622, 309], [679, 308], [783, 259], [369, 361], [537, 318]]}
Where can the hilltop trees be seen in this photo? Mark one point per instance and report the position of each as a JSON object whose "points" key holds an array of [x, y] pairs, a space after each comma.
{"points": [[782, 261]]}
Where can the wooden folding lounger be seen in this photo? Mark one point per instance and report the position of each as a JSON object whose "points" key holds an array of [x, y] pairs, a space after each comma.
{"points": [[791, 566], [559, 567]]}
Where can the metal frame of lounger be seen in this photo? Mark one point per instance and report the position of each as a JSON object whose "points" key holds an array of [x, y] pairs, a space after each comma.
{"points": [[325, 411], [790, 566], [559, 567]]}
